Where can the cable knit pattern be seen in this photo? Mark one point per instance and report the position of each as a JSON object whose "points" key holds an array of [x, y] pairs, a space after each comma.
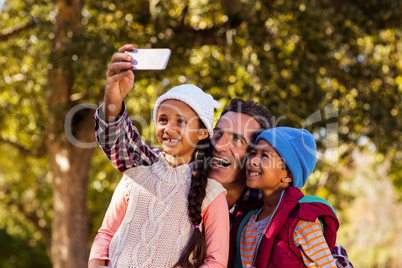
{"points": [[156, 227]]}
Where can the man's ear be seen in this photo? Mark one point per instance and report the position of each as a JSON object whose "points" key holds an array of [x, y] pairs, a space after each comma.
{"points": [[202, 133]]}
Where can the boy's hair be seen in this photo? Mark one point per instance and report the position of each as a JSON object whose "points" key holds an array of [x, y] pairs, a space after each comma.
{"points": [[253, 109], [196, 247]]}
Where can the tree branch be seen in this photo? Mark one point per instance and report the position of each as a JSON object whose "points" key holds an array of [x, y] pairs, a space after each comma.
{"points": [[10, 32], [208, 36], [39, 152]]}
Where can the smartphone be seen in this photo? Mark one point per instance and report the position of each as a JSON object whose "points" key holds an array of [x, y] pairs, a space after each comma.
{"points": [[149, 58]]}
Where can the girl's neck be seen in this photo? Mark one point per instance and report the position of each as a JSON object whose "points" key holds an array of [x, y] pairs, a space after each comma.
{"points": [[175, 161]]}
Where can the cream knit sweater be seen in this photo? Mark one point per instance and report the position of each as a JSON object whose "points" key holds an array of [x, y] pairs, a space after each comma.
{"points": [[156, 227]]}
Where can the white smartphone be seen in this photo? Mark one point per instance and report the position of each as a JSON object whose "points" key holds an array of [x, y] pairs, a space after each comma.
{"points": [[149, 58]]}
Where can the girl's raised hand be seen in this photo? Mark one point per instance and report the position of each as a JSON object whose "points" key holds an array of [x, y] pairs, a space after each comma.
{"points": [[119, 82]]}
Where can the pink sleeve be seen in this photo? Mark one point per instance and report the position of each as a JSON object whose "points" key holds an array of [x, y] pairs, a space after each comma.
{"points": [[111, 222], [216, 225]]}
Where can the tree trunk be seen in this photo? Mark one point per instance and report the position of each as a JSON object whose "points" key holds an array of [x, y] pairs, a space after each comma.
{"points": [[68, 163], [70, 166]]}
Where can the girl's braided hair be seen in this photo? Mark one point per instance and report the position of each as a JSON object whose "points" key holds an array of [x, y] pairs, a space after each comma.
{"points": [[194, 254]]}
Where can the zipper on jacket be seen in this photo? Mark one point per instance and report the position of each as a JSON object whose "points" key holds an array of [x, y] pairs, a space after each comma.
{"points": [[266, 226]]}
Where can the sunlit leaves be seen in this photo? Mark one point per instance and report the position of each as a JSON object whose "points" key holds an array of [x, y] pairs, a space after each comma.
{"points": [[25, 198]]}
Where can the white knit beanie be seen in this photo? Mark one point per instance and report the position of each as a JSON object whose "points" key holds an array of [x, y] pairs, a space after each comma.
{"points": [[202, 103]]}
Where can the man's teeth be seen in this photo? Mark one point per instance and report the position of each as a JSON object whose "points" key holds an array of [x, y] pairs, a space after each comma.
{"points": [[254, 173], [220, 162], [171, 140]]}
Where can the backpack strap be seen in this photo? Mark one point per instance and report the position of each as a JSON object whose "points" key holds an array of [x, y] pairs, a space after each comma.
{"points": [[339, 253], [327, 216], [316, 199]]}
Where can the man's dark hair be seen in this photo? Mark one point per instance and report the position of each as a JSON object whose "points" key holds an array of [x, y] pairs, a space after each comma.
{"points": [[253, 109]]}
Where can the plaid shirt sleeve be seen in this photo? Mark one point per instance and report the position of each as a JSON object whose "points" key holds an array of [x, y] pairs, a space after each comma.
{"points": [[121, 142], [341, 257]]}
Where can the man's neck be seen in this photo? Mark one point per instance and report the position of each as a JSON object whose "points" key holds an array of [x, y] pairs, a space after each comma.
{"points": [[234, 193]]}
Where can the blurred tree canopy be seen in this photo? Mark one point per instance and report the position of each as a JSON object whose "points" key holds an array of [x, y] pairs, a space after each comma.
{"points": [[334, 67]]}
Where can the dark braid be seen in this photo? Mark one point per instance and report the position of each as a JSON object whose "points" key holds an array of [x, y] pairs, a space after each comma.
{"points": [[197, 247]]}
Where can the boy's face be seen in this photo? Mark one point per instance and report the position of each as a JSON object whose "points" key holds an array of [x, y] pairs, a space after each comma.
{"points": [[265, 168], [177, 130]]}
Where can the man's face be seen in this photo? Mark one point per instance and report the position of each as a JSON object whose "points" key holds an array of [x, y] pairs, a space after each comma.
{"points": [[232, 136]]}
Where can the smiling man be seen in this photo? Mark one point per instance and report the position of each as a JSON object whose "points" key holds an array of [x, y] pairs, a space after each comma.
{"points": [[235, 131]]}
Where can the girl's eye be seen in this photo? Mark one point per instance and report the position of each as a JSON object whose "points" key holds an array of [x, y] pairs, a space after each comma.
{"points": [[162, 120], [252, 153], [181, 121], [266, 155]]}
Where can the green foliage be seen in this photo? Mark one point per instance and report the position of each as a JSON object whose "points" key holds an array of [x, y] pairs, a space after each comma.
{"points": [[25, 210], [19, 254]]}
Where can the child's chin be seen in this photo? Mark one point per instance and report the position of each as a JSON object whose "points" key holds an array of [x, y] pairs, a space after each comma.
{"points": [[250, 184], [169, 150]]}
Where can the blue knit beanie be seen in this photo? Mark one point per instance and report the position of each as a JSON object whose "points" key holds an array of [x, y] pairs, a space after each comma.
{"points": [[296, 147]]}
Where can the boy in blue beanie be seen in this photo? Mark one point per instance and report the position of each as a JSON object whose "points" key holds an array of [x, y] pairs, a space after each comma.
{"points": [[290, 230]]}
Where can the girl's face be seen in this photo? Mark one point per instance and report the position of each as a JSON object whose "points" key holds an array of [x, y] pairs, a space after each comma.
{"points": [[177, 130], [265, 168]]}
